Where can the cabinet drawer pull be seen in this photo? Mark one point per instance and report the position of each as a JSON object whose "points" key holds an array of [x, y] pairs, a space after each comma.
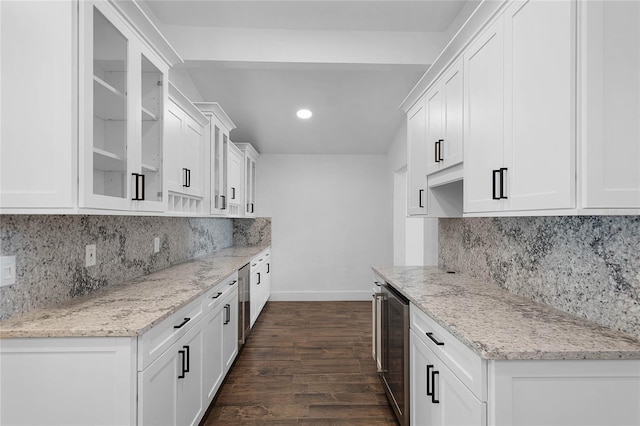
{"points": [[433, 384], [181, 375], [433, 339], [224, 202], [233, 193], [420, 198], [186, 370], [232, 283], [429, 367], [217, 295], [268, 267], [185, 177], [258, 283], [377, 283], [186, 320], [440, 150], [252, 208]]}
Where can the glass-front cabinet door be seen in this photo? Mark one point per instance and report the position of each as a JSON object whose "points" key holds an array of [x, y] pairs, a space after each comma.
{"points": [[122, 92], [153, 91]]}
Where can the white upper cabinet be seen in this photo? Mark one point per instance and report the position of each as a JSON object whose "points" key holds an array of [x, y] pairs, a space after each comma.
{"points": [[540, 105], [102, 145], [38, 156], [444, 120], [235, 186], [217, 136], [484, 119], [609, 104], [122, 95], [185, 144], [520, 115], [250, 160], [416, 158]]}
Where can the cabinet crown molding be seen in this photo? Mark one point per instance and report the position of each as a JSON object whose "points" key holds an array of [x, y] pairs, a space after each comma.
{"points": [[215, 109], [189, 107], [480, 17], [145, 27]]}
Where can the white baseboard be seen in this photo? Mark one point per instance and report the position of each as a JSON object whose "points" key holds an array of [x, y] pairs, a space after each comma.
{"points": [[310, 296]]}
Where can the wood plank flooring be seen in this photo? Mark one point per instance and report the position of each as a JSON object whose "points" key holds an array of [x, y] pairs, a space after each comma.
{"points": [[305, 363]]}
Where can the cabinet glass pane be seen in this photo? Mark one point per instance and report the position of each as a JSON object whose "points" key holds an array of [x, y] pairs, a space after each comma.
{"points": [[109, 109], [152, 119]]}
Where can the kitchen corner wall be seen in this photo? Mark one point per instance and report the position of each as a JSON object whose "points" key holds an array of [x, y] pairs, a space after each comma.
{"points": [[50, 251], [586, 265]]}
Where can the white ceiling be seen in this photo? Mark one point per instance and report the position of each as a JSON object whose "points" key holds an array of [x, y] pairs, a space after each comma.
{"points": [[354, 105], [359, 15]]}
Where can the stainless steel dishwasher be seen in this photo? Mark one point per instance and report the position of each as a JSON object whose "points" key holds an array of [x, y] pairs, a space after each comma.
{"points": [[244, 305]]}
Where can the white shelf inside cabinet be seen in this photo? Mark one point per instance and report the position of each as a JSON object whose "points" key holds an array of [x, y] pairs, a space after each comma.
{"points": [[112, 105], [108, 161], [148, 115], [149, 168]]}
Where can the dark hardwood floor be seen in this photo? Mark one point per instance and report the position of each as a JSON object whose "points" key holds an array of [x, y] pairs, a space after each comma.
{"points": [[305, 363]]}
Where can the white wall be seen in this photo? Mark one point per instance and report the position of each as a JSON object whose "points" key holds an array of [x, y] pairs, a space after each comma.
{"points": [[331, 222]]}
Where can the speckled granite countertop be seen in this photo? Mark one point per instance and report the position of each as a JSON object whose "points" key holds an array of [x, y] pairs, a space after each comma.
{"points": [[497, 324], [133, 307]]}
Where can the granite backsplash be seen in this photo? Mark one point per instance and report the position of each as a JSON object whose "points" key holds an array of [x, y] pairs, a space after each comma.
{"points": [[50, 251], [585, 265]]}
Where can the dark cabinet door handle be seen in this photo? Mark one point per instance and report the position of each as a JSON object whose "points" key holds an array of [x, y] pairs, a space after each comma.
{"points": [[139, 184], [258, 283], [438, 150], [186, 369], [228, 314], [185, 179], [181, 375], [232, 283], [252, 208], [186, 320], [217, 295], [233, 193], [494, 194], [434, 380], [224, 202], [377, 283], [420, 198], [433, 339], [429, 391], [268, 267], [503, 172]]}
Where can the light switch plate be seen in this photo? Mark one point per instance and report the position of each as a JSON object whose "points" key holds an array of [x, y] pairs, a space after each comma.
{"points": [[90, 255], [156, 244], [8, 270]]}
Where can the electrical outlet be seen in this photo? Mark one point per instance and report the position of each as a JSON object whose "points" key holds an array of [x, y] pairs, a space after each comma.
{"points": [[156, 244], [90, 255], [8, 270]]}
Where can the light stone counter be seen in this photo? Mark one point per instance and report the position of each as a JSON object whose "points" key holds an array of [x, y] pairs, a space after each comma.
{"points": [[133, 307], [497, 324]]}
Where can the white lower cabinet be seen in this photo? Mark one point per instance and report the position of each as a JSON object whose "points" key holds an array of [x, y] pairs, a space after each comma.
{"points": [[230, 330], [212, 351], [170, 389], [451, 385], [260, 283], [438, 397]]}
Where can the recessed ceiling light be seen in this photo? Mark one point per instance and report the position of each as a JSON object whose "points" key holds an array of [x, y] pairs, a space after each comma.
{"points": [[304, 113]]}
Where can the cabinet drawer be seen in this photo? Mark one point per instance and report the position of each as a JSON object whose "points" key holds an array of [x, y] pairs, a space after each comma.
{"points": [[219, 292], [159, 338], [259, 260], [462, 361]]}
